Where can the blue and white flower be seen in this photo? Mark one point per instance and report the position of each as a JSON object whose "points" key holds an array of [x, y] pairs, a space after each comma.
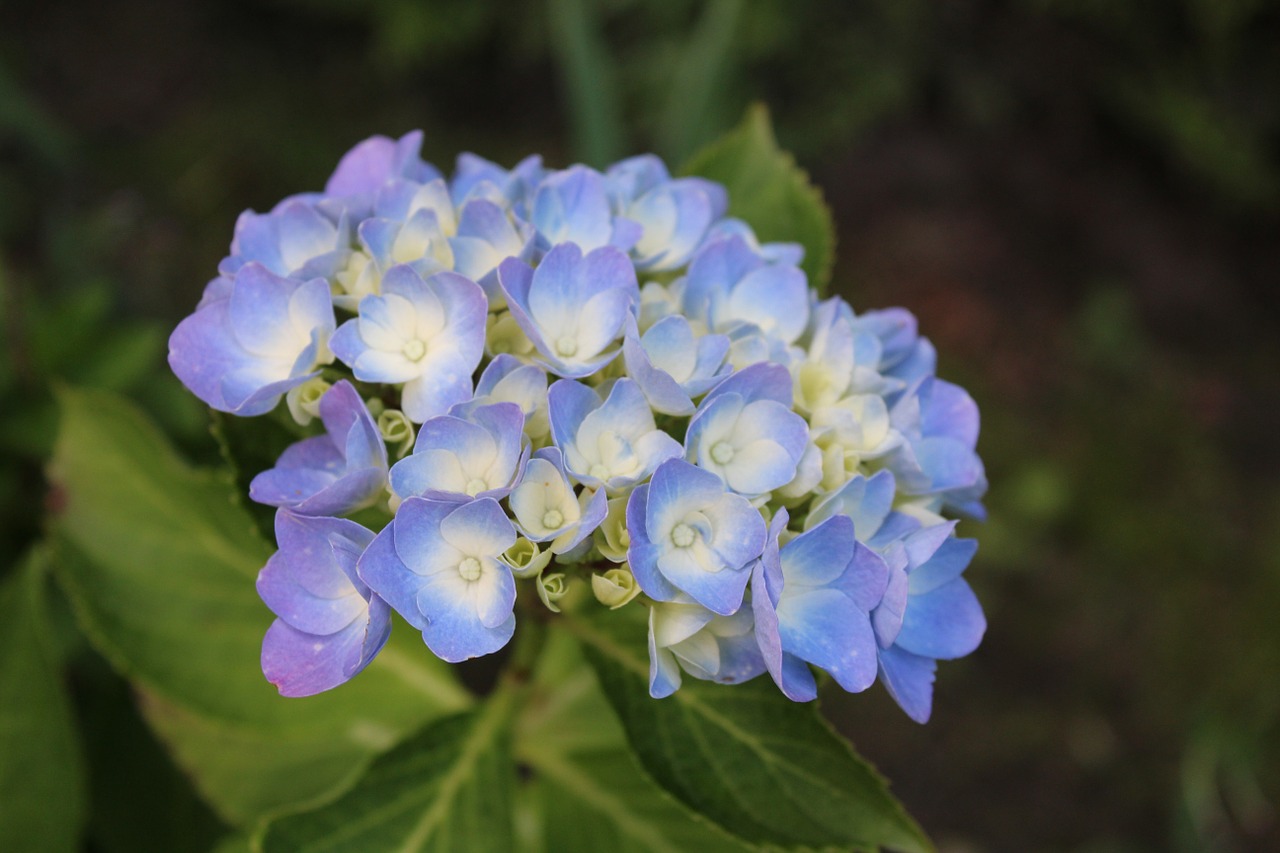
{"points": [[253, 339], [729, 284], [332, 474], [684, 635], [572, 206], [745, 431], [937, 459], [427, 334], [547, 509], [329, 624], [507, 379], [671, 365], [297, 239], [364, 169], [573, 306], [674, 215], [437, 563], [812, 598], [614, 442], [690, 535], [476, 453]]}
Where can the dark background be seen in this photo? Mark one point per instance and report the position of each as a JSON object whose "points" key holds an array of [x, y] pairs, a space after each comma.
{"points": [[1080, 199]]}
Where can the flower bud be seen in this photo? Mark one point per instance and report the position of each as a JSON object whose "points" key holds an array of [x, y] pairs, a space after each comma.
{"points": [[611, 536], [551, 588], [615, 587], [397, 430], [525, 558], [304, 401]]}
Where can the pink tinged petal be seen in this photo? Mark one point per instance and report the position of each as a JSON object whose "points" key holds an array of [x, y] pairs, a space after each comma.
{"points": [[364, 168], [301, 664], [946, 623], [909, 680], [825, 628]]}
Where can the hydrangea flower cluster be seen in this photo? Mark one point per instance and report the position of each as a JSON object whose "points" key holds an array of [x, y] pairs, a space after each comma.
{"points": [[604, 382]]}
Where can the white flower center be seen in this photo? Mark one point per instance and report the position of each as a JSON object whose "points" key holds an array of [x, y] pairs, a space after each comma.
{"points": [[476, 486], [599, 471], [682, 535], [469, 569], [722, 453], [414, 350], [567, 346], [552, 519]]}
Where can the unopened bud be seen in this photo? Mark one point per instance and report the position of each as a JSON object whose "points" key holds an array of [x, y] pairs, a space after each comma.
{"points": [[615, 587]]}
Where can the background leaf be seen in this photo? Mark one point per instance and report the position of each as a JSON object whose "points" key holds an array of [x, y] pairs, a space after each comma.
{"points": [[449, 787], [769, 191], [41, 769], [764, 768], [587, 792], [159, 560]]}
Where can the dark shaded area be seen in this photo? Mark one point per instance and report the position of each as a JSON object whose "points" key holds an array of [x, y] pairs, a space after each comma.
{"points": [[1080, 199]]}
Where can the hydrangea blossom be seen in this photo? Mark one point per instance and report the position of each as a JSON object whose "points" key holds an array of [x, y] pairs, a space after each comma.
{"points": [[329, 624], [332, 474], [608, 385]]}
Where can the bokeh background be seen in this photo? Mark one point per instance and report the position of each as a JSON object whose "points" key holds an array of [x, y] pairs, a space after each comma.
{"points": [[1079, 198]]}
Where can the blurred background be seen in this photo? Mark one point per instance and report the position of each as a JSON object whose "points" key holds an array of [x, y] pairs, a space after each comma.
{"points": [[1080, 199]]}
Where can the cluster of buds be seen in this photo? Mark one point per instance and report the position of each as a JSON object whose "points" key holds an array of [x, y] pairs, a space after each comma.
{"points": [[551, 378]]}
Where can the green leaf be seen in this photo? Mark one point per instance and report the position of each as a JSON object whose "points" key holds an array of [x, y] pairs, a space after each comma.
{"points": [[764, 768], [588, 792], [769, 191], [41, 770], [447, 788], [159, 560]]}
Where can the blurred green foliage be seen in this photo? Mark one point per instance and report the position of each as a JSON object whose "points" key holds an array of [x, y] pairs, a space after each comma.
{"points": [[1124, 699]]}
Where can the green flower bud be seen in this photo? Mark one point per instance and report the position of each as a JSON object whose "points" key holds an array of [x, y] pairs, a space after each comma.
{"points": [[304, 401], [551, 588], [615, 587], [526, 559], [611, 536], [397, 430]]}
